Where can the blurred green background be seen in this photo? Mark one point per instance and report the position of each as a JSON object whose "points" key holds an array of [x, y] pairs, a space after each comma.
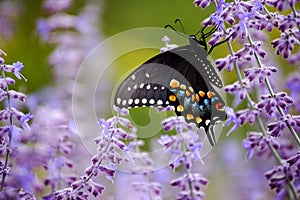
{"points": [[116, 16]]}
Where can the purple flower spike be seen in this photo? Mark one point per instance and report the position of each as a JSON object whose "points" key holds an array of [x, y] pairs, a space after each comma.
{"points": [[278, 177], [249, 50], [259, 73], [285, 44], [226, 63], [259, 143], [269, 104], [238, 90], [190, 186], [276, 128]]}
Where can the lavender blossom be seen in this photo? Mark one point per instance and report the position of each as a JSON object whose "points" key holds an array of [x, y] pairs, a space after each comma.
{"points": [[190, 186], [270, 104], [12, 171], [270, 112], [285, 44], [184, 149], [278, 177], [105, 161], [259, 73]]}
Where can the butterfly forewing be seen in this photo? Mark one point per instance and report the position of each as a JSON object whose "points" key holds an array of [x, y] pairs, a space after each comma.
{"points": [[183, 78]]}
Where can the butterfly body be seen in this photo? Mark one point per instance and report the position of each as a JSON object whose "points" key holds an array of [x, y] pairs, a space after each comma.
{"points": [[183, 78]]}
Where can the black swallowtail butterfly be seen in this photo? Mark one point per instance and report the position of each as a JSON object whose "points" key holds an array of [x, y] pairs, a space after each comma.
{"points": [[183, 78]]}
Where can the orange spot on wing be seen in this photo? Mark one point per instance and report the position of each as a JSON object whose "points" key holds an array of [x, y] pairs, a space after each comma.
{"points": [[180, 108], [187, 93], [198, 120], [174, 83], [219, 106], [183, 87], [201, 93], [172, 98], [197, 98], [210, 94], [193, 98], [189, 116]]}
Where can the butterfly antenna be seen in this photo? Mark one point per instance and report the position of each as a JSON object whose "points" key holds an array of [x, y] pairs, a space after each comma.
{"points": [[171, 27], [180, 23]]}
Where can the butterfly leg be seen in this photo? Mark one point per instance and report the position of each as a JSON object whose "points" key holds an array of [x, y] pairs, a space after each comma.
{"points": [[219, 43]]}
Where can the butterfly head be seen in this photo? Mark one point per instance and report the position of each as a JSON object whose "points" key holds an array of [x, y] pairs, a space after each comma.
{"points": [[201, 41]]}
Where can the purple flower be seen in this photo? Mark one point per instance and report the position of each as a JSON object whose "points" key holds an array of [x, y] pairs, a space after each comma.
{"points": [[190, 186], [56, 21], [232, 118], [288, 22], [226, 63], [285, 44], [24, 121], [121, 111], [202, 3], [239, 90], [16, 136], [18, 67], [43, 28], [257, 142], [248, 50], [280, 4], [276, 128], [260, 73], [267, 22], [269, 104], [94, 188], [177, 123], [17, 95], [294, 58], [279, 176]]}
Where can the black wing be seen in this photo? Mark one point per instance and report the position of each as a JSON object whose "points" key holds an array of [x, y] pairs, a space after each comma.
{"points": [[173, 78]]}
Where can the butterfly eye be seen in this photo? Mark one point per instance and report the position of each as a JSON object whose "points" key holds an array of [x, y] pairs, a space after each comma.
{"points": [[193, 37]]}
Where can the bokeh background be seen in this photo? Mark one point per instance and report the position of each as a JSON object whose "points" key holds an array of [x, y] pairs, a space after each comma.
{"points": [[230, 177]]}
